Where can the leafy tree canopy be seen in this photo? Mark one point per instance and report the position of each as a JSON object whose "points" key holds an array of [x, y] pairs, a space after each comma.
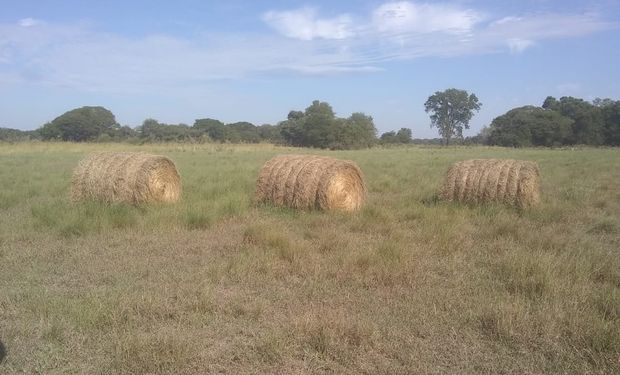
{"points": [[81, 124], [529, 126], [270, 133], [588, 120], [242, 132], [215, 129], [16, 135], [451, 110], [154, 131], [611, 116], [318, 126], [404, 135]]}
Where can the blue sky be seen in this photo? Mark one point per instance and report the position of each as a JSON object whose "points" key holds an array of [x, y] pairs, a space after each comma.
{"points": [[177, 61]]}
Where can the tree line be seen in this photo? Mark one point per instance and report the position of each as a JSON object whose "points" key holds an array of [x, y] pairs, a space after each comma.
{"points": [[567, 121], [98, 124], [316, 126]]}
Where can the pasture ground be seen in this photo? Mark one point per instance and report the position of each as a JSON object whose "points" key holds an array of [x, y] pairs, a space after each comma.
{"points": [[215, 285]]}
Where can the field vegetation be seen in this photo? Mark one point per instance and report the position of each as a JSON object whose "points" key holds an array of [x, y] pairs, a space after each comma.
{"points": [[215, 284]]}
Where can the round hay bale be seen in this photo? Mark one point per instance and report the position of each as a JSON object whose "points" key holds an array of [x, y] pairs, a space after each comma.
{"points": [[311, 182], [512, 182], [126, 177]]}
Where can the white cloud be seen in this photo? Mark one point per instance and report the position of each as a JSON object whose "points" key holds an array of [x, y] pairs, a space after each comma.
{"points": [[29, 22], [542, 26], [423, 18], [504, 20], [518, 45], [326, 69], [83, 58], [520, 33], [305, 25]]}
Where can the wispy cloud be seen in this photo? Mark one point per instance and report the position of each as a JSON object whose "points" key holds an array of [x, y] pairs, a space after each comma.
{"points": [[407, 16], [82, 57], [401, 30], [304, 24], [29, 22], [549, 25], [518, 45]]}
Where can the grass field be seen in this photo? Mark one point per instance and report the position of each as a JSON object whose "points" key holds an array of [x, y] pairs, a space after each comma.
{"points": [[215, 285]]}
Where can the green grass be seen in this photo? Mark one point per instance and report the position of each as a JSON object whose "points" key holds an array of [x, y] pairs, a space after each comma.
{"points": [[214, 284]]}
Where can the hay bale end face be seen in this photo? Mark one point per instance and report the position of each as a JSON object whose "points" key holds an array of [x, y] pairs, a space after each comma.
{"points": [[126, 177], [512, 182], [311, 182]]}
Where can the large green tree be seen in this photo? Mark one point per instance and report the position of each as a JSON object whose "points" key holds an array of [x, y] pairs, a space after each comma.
{"points": [[215, 129], [81, 124], [242, 132], [292, 128], [551, 103], [404, 135], [589, 123], [154, 131], [529, 126], [450, 111], [270, 133], [611, 114], [357, 131], [389, 137], [318, 126]]}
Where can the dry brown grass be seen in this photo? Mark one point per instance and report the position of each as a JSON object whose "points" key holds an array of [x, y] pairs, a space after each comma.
{"points": [[126, 177], [408, 285], [513, 182], [308, 182]]}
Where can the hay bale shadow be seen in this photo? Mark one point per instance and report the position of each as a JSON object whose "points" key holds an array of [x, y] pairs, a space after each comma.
{"points": [[2, 352], [433, 200]]}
